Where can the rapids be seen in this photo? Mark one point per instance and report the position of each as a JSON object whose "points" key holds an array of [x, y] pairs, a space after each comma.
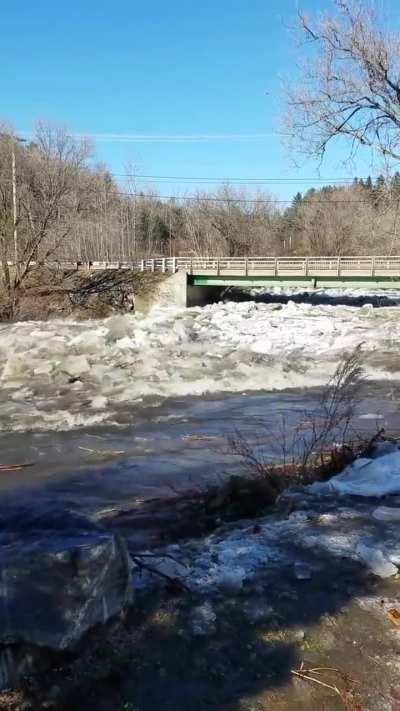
{"points": [[63, 375], [112, 412]]}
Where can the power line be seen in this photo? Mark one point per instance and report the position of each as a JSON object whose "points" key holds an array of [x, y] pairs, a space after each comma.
{"points": [[200, 198], [244, 181]]}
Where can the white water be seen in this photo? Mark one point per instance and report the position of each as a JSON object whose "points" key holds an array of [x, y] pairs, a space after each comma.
{"points": [[61, 375]]}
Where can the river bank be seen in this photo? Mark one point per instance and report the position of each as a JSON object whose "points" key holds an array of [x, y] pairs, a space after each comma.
{"points": [[49, 293], [295, 610], [101, 418]]}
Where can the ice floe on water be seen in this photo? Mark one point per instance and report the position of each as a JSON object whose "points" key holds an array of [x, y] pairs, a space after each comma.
{"points": [[63, 374]]}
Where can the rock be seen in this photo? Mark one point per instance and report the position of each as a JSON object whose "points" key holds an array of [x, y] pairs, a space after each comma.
{"points": [[203, 620], [61, 576]]}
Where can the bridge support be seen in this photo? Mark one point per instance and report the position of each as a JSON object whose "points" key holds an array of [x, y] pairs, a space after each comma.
{"points": [[178, 290], [172, 291]]}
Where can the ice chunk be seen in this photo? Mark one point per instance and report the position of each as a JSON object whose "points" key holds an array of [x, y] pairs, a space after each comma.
{"points": [[375, 560], [89, 342], [99, 402], [76, 365], [16, 367], [263, 345], [118, 326], [231, 581], [371, 416], [366, 477], [44, 368], [125, 343], [386, 513]]}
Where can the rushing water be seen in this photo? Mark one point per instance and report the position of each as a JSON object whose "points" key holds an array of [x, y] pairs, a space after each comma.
{"points": [[106, 412]]}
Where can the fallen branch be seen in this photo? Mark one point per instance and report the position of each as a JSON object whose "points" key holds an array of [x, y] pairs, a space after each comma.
{"points": [[15, 467], [303, 675], [347, 694], [173, 582]]}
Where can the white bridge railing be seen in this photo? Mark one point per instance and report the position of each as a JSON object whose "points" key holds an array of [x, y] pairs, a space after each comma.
{"points": [[386, 266], [256, 266]]}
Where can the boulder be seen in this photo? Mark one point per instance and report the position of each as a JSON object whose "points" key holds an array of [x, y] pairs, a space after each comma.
{"points": [[60, 576]]}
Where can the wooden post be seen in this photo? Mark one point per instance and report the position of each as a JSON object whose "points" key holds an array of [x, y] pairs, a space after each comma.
{"points": [[246, 267], [174, 269], [163, 265]]}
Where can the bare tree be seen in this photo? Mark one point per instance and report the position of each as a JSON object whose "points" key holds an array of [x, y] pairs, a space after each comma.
{"points": [[317, 438], [52, 166], [350, 86]]}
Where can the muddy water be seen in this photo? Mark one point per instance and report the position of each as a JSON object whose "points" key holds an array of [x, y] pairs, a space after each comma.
{"points": [[110, 412], [168, 447]]}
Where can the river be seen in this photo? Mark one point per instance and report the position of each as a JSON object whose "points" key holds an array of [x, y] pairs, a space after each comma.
{"points": [[108, 413]]}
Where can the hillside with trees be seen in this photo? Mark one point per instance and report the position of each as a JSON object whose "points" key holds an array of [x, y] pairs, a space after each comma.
{"points": [[68, 207]]}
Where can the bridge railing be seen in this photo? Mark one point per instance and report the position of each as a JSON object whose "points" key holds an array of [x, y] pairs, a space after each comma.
{"points": [[293, 266], [379, 266]]}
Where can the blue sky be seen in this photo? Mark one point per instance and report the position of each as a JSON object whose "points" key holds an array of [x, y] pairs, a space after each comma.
{"points": [[208, 72]]}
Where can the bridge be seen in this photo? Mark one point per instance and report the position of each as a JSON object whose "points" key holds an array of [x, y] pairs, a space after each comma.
{"points": [[195, 281], [324, 272], [199, 280]]}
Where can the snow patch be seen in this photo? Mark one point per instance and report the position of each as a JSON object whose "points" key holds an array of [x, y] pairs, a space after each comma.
{"points": [[365, 477]]}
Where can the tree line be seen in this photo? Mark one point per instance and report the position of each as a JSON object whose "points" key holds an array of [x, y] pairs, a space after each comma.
{"points": [[58, 204]]}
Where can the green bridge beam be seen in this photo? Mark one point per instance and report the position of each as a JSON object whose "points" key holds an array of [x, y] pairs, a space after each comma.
{"points": [[297, 281]]}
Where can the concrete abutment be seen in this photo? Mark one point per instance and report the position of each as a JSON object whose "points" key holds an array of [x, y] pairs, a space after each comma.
{"points": [[176, 290]]}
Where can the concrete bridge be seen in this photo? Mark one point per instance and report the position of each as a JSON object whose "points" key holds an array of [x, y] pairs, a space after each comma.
{"points": [[198, 280], [383, 272]]}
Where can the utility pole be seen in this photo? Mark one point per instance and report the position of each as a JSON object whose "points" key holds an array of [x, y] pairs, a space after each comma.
{"points": [[14, 198], [13, 139]]}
